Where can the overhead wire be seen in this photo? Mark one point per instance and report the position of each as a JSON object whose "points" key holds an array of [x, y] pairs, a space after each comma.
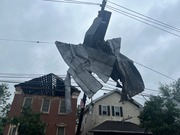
{"points": [[155, 71], [105, 88], [20, 75], [149, 18], [136, 18], [105, 85], [26, 41], [73, 2], [145, 19], [112, 8]]}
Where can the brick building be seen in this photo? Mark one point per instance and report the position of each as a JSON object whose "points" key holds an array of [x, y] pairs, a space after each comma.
{"points": [[46, 95]]}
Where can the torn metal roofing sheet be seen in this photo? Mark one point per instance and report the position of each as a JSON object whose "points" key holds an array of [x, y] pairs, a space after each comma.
{"points": [[102, 58], [84, 60]]}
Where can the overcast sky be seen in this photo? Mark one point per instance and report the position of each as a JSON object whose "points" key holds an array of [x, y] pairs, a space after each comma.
{"points": [[38, 20]]}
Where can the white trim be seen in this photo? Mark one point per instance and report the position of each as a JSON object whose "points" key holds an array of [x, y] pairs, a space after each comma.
{"points": [[25, 99], [102, 110], [10, 131], [42, 102], [61, 127], [75, 95], [117, 111], [64, 113]]}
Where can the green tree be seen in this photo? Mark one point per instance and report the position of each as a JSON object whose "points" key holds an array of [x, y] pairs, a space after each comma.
{"points": [[29, 123], [4, 97], [160, 113], [4, 105]]}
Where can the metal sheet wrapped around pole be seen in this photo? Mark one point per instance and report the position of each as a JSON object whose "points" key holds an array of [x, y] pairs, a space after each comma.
{"points": [[67, 83]]}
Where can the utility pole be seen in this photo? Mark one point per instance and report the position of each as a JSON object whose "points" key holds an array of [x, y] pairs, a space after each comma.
{"points": [[99, 36], [81, 115], [103, 5]]}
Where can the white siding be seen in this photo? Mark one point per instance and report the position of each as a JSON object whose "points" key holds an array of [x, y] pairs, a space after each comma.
{"points": [[94, 119]]}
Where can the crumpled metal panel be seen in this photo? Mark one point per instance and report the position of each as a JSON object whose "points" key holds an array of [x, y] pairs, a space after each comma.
{"points": [[90, 34], [67, 83], [83, 60], [97, 31], [115, 45], [131, 78], [80, 67], [101, 63], [89, 84], [125, 70], [73, 55]]}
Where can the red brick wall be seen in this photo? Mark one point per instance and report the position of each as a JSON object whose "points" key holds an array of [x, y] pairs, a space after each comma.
{"points": [[52, 118]]}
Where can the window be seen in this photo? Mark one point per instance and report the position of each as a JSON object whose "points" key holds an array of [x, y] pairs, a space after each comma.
{"points": [[13, 130], [62, 107], [117, 111], [45, 105], [27, 102], [60, 131], [104, 110]]}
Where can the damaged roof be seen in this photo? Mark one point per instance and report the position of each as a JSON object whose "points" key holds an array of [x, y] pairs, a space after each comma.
{"points": [[50, 85]]}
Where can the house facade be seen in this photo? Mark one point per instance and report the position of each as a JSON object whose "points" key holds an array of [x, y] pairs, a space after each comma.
{"points": [[109, 108], [47, 96]]}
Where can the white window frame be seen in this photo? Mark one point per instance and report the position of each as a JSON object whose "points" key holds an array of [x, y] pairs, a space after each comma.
{"points": [[61, 127], [25, 100], [43, 104], [10, 132], [106, 110], [60, 107], [117, 109]]}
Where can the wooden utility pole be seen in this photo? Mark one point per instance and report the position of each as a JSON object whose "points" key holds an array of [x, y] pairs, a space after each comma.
{"points": [[103, 5], [84, 97], [81, 115]]}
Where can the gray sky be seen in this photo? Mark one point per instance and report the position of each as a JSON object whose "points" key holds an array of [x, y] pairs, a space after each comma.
{"points": [[50, 21]]}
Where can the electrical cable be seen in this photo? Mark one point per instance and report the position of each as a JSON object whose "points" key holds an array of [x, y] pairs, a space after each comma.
{"points": [[16, 75], [144, 97], [144, 19], [155, 20], [118, 11], [27, 41], [155, 71], [73, 2]]}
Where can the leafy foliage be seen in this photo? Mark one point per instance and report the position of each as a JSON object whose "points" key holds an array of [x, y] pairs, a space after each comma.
{"points": [[29, 123], [160, 113], [4, 105], [4, 97]]}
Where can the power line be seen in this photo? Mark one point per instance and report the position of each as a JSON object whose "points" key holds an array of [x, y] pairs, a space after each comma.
{"points": [[135, 18], [148, 20], [155, 71], [110, 87], [73, 2], [26, 41], [155, 20], [144, 97], [152, 90]]}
